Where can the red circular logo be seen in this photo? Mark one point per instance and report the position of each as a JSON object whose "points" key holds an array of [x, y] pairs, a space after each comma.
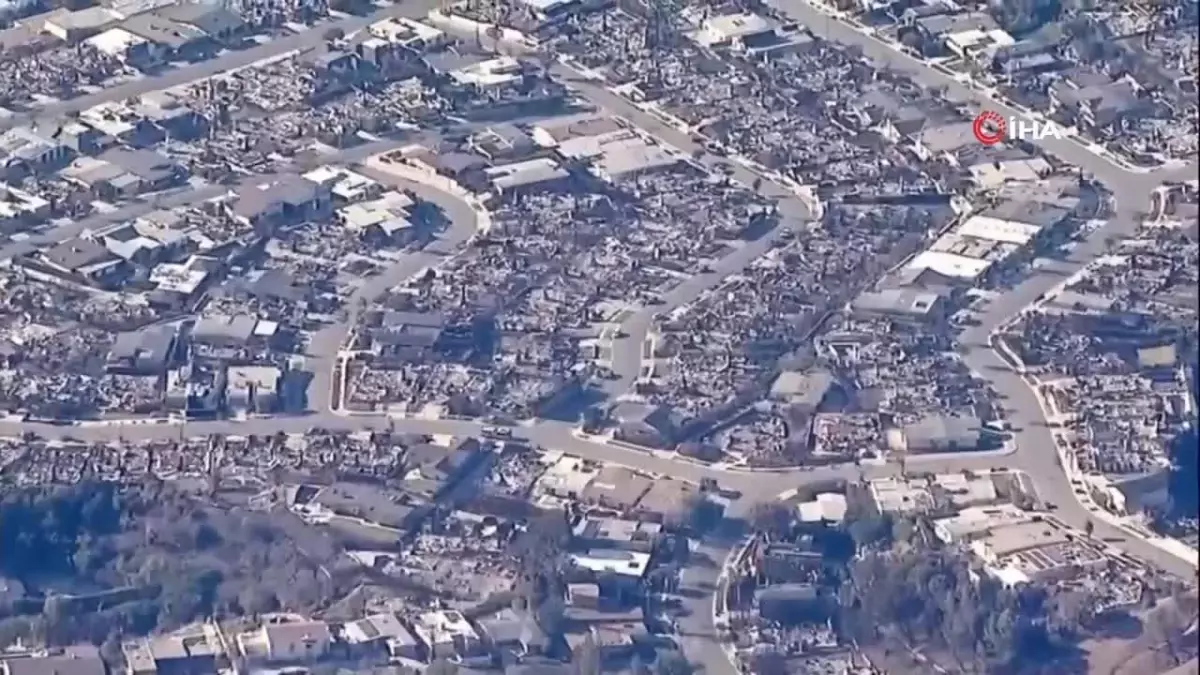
{"points": [[989, 128]]}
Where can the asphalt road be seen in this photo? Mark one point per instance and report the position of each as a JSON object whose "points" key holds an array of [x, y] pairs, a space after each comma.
{"points": [[1133, 183], [1035, 446], [1131, 189], [324, 346], [698, 583], [182, 196], [224, 63], [56, 233], [627, 351]]}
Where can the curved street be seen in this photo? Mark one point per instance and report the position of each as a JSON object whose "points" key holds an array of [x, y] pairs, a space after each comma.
{"points": [[326, 345], [1131, 190], [1034, 448]]}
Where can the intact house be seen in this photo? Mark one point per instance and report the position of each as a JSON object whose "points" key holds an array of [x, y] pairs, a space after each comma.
{"points": [[252, 389], [74, 27], [401, 336], [139, 244], [938, 29], [26, 151], [151, 39], [383, 634], [284, 201], [121, 173], [145, 123], [655, 426], [752, 35], [83, 259], [145, 352], [1028, 57], [218, 24], [292, 642]]}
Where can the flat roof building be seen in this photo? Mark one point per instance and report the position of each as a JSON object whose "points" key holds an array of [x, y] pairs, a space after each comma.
{"points": [[72, 27], [224, 330], [345, 184], [899, 303], [253, 388], [296, 641], [1005, 540], [638, 535], [408, 33], [211, 19], [616, 487], [995, 229], [447, 633], [950, 265], [116, 42], [65, 664], [144, 352], [162, 31], [530, 173], [632, 156], [941, 432], [552, 132], [567, 477], [974, 522], [828, 507], [896, 495], [489, 74], [78, 256], [386, 629], [631, 564], [669, 501], [183, 278], [968, 489]]}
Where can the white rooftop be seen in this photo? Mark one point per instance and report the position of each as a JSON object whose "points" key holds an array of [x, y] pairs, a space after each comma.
{"points": [[491, 73], [548, 6], [605, 561], [566, 477], [827, 506], [264, 378], [994, 38], [115, 41], [404, 31], [995, 229], [720, 29], [446, 625], [529, 172], [975, 521], [177, 278], [950, 264]]}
